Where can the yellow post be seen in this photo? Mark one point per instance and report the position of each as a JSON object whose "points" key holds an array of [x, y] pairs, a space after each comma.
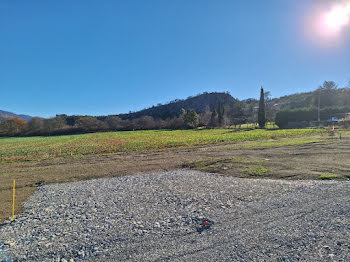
{"points": [[13, 200]]}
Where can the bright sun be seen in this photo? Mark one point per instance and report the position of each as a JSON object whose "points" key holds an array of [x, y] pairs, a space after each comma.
{"points": [[337, 18]]}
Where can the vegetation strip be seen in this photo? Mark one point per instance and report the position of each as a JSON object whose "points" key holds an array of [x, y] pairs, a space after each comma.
{"points": [[47, 148]]}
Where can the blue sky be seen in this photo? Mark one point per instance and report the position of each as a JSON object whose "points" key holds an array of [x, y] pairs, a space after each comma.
{"points": [[107, 57]]}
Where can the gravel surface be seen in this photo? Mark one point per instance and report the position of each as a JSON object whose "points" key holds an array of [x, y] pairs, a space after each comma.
{"points": [[182, 215]]}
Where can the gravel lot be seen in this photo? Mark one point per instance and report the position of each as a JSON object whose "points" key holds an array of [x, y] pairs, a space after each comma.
{"points": [[182, 215]]}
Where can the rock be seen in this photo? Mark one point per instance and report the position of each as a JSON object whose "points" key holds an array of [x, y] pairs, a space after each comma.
{"points": [[10, 243], [81, 253]]}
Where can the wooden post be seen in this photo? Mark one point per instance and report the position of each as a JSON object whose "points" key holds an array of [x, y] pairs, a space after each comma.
{"points": [[13, 199]]}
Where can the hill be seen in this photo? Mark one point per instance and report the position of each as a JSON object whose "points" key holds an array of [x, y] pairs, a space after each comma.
{"points": [[200, 103], [329, 97], [6, 114]]}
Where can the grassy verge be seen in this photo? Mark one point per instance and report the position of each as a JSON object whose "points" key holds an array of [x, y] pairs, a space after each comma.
{"points": [[329, 176]]}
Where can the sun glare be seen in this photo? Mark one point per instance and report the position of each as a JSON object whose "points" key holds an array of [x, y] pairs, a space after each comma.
{"points": [[337, 18]]}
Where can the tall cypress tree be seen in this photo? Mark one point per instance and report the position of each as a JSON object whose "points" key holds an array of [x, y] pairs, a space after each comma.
{"points": [[261, 112], [220, 111], [213, 119]]}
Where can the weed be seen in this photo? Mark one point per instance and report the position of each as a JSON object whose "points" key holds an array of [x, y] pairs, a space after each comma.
{"points": [[258, 171], [330, 131], [328, 176]]}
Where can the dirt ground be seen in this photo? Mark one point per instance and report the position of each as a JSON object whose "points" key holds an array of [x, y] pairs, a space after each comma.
{"points": [[328, 159]]}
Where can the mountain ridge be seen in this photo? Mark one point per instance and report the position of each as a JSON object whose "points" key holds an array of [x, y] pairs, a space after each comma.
{"points": [[200, 103], [7, 114]]}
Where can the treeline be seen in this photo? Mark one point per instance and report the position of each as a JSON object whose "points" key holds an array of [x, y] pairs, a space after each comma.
{"points": [[329, 95], [310, 114], [222, 116], [303, 108], [68, 125], [209, 110]]}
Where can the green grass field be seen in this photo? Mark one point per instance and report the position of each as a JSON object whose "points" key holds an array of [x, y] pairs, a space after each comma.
{"points": [[73, 146]]}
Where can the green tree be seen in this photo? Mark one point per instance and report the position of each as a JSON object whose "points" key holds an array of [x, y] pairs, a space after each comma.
{"points": [[213, 122], [328, 95], [220, 111], [191, 119], [261, 112]]}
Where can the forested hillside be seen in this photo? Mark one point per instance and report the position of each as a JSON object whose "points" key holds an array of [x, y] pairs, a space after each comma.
{"points": [[332, 101], [200, 104], [329, 93]]}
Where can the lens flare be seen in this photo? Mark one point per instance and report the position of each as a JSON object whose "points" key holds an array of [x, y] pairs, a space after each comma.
{"points": [[337, 18], [327, 23]]}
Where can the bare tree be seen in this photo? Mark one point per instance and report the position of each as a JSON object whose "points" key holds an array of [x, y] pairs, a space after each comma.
{"points": [[89, 123], [145, 122], [35, 126], [114, 123], [12, 126], [269, 112], [204, 118]]}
